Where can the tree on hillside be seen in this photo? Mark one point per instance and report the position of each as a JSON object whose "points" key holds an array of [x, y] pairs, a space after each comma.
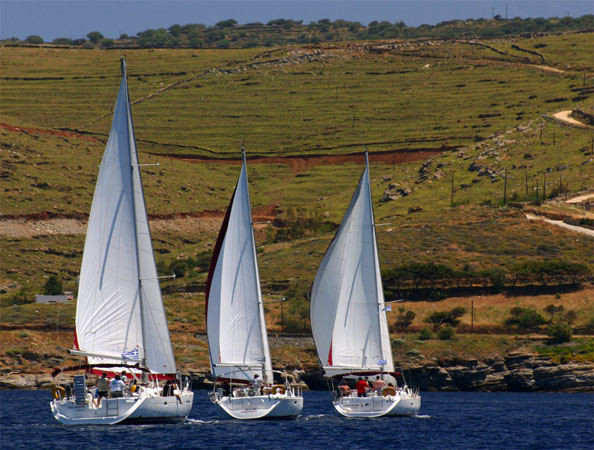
{"points": [[226, 23], [62, 41], [451, 317], [106, 43], [404, 319], [34, 39], [524, 318], [559, 333], [53, 286], [552, 310], [94, 36]]}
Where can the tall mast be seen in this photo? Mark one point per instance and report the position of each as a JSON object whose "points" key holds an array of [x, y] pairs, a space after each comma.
{"points": [[134, 156], [375, 255]]}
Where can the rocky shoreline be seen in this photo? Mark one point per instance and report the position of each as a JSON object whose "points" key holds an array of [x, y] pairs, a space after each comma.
{"points": [[515, 372]]}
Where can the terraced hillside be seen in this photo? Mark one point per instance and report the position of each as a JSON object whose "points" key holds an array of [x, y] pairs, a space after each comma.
{"points": [[454, 131]]}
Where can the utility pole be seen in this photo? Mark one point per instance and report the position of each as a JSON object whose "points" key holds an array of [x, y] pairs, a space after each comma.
{"points": [[283, 315], [472, 315], [505, 188], [452, 195]]}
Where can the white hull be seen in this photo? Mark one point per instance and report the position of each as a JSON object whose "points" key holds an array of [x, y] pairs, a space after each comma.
{"points": [[136, 409], [260, 406], [374, 406]]}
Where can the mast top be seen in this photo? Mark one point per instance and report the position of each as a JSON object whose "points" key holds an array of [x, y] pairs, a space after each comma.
{"points": [[123, 65]]}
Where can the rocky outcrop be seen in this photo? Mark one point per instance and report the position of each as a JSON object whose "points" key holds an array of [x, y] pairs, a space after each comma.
{"points": [[25, 381], [517, 371]]}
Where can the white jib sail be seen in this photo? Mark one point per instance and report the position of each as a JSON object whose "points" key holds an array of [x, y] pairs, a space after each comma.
{"points": [[120, 309], [236, 328], [347, 304]]}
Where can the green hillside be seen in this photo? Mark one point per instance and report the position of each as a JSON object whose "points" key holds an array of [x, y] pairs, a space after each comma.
{"points": [[436, 117]]}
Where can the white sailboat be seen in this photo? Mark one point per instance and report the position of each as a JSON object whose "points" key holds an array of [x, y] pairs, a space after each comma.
{"points": [[348, 315], [236, 328], [120, 317]]}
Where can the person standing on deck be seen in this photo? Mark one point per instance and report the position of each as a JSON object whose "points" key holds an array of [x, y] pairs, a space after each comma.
{"points": [[379, 385], [117, 387], [102, 388], [362, 387]]}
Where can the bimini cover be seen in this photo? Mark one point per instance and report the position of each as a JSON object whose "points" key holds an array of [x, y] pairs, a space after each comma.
{"points": [[347, 303], [120, 312], [234, 312]]}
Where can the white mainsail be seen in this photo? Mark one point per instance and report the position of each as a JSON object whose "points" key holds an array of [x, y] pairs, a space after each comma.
{"points": [[347, 303], [120, 309], [235, 323]]}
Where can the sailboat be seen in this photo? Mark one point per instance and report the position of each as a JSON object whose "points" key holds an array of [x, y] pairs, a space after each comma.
{"points": [[348, 316], [236, 329], [121, 327]]}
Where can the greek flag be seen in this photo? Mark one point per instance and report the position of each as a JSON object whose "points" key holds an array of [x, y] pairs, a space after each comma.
{"points": [[387, 308], [382, 362], [132, 354]]}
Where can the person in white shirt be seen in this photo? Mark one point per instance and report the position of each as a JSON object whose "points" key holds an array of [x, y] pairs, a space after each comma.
{"points": [[117, 387]]}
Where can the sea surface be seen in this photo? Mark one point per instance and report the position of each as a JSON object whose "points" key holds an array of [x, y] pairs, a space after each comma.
{"points": [[447, 420]]}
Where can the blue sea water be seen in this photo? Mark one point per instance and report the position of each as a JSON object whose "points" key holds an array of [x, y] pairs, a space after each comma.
{"points": [[447, 420]]}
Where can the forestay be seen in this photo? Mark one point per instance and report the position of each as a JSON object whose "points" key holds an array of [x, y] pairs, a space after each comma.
{"points": [[235, 315], [120, 310], [347, 303]]}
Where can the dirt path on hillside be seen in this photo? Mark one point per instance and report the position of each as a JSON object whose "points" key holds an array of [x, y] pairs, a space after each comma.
{"points": [[28, 226], [15, 129], [300, 164], [564, 116], [547, 68], [560, 223], [580, 198]]}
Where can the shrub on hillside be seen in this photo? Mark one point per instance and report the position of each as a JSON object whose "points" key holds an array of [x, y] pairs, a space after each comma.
{"points": [[451, 317], [525, 318], [20, 297], [297, 316], [404, 319], [446, 333], [425, 334], [559, 333], [179, 268]]}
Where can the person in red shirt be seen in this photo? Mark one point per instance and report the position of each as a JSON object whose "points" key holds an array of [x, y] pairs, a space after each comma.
{"points": [[362, 387]]}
